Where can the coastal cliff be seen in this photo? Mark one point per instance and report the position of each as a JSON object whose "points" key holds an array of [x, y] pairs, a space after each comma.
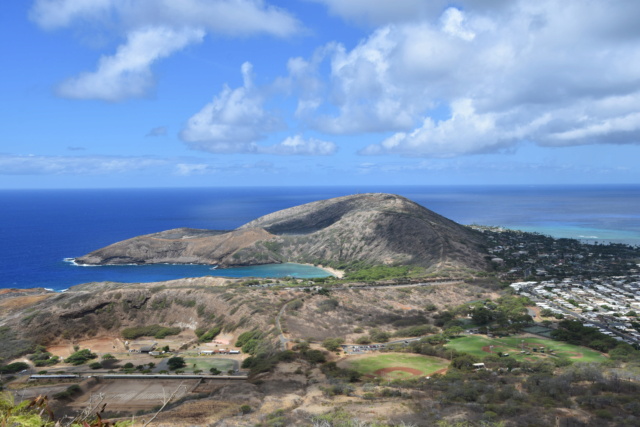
{"points": [[372, 228]]}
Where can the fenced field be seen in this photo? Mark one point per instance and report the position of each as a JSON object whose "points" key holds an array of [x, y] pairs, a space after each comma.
{"points": [[524, 348]]}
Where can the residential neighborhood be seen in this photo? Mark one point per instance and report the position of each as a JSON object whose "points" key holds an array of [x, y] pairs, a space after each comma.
{"points": [[595, 283]]}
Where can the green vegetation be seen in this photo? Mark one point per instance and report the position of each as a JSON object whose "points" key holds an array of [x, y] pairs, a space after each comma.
{"points": [[508, 313], [13, 368], [155, 331], [333, 344], [176, 362], [481, 346], [573, 332], [36, 413], [250, 342], [205, 335], [42, 357], [370, 365], [71, 391], [246, 337], [313, 356], [185, 303], [331, 369], [381, 272], [12, 346], [207, 363], [328, 304], [80, 357], [415, 331], [377, 335]]}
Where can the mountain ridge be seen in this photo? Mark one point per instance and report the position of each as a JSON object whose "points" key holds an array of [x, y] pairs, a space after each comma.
{"points": [[374, 228]]}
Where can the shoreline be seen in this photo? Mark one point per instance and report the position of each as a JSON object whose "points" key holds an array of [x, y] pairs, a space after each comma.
{"points": [[337, 273]]}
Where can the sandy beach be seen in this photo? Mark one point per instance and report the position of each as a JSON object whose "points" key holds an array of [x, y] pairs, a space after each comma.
{"points": [[338, 273]]}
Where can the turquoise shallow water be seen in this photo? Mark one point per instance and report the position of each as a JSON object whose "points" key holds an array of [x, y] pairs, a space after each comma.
{"points": [[161, 272]]}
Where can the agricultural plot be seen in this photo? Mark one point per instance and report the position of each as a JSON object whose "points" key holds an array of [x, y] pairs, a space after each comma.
{"points": [[395, 365], [536, 347]]}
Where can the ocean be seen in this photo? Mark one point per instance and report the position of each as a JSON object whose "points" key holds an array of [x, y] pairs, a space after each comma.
{"points": [[39, 229]]}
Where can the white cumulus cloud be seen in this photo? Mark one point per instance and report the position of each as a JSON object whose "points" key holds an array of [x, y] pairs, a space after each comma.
{"points": [[480, 77], [233, 121], [128, 72], [154, 29], [230, 17]]}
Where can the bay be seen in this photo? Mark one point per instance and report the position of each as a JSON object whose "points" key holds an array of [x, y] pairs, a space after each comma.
{"points": [[40, 228]]}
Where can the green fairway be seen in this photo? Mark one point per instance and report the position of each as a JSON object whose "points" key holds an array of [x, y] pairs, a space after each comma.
{"points": [[481, 346], [396, 365], [205, 363]]}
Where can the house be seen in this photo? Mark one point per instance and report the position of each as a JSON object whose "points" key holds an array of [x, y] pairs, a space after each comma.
{"points": [[147, 348]]}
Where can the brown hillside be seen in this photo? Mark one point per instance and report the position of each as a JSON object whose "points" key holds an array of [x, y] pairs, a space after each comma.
{"points": [[372, 228]]}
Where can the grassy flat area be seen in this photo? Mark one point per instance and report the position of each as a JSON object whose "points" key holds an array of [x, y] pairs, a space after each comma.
{"points": [[371, 364], [206, 363], [514, 345]]}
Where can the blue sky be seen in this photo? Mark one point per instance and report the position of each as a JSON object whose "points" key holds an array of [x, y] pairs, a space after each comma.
{"points": [[188, 93]]}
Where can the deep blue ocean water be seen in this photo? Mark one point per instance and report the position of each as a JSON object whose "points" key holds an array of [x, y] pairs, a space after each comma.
{"points": [[40, 228]]}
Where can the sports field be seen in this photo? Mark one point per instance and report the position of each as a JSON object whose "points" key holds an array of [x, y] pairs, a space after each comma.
{"points": [[205, 363], [481, 346], [395, 365]]}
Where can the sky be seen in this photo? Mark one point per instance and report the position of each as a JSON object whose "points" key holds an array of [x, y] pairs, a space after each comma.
{"points": [[199, 93]]}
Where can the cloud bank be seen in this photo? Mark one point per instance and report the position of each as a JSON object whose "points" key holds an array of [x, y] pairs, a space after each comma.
{"points": [[479, 78]]}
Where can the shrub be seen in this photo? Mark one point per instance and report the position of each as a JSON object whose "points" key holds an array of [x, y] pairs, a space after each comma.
{"points": [[155, 331], [295, 305], [363, 340], [80, 357], [246, 336], [210, 334], [314, 356], [379, 336], [328, 305], [12, 368], [415, 331], [69, 392]]}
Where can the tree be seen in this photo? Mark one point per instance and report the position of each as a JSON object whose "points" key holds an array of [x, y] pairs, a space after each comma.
{"points": [[481, 315], [332, 344], [176, 362], [314, 356], [363, 340], [453, 331], [80, 356], [464, 362]]}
